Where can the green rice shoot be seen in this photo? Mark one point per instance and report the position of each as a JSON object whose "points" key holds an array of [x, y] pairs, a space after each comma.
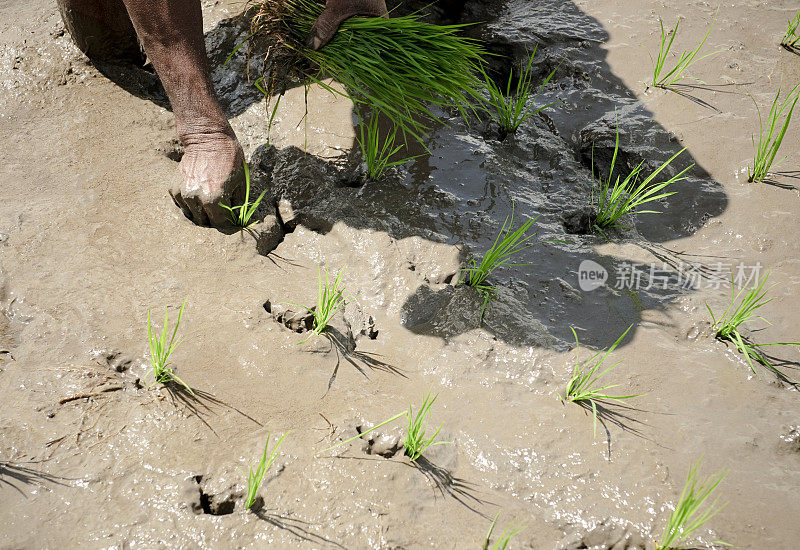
{"points": [[256, 476], [330, 298], [792, 36], [510, 108], [415, 442], [770, 136], [399, 66], [617, 198], [505, 537], [584, 386], [242, 215], [742, 309], [365, 432], [377, 154], [505, 247], [663, 78], [161, 349], [690, 514]]}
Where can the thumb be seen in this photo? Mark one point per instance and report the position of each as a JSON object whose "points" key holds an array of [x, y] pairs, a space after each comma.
{"points": [[336, 12], [325, 27]]}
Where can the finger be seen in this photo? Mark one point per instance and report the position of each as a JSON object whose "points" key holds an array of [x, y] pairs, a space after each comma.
{"points": [[236, 183], [178, 200], [380, 9], [333, 15], [217, 216], [325, 28], [199, 215]]}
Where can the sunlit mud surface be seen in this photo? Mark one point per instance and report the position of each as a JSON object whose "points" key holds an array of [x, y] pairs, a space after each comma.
{"points": [[94, 454]]}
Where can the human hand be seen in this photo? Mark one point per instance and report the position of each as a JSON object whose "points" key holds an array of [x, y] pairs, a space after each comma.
{"points": [[336, 12]]}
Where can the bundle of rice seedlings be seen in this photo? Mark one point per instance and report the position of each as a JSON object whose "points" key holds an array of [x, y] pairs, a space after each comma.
{"points": [[505, 247], [162, 348], [665, 79], [377, 154], [400, 66], [511, 107], [415, 441], [742, 309], [792, 36], [504, 539], [771, 134], [256, 475], [619, 197], [689, 514], [584, 386]]}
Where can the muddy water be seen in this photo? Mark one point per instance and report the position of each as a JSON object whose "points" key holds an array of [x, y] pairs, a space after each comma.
{"points": [[89, 240]]}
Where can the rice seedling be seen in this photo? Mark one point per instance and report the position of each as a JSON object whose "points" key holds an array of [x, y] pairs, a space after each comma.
{"points": [[399, 67], [506, 245], [770, 136], [365, 432], [161, 349], [665, 79], [330, 297], [259, 84], [377, 154], [688, 516], [619, 197], [242, 215], [742, 309], [583, 386], [415, 442], [792, 36], [511, 108], [505, 538], [256, 476]]}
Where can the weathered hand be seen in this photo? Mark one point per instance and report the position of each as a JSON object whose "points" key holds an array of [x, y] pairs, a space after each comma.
{"points": [[337, 11], [211, 172]]}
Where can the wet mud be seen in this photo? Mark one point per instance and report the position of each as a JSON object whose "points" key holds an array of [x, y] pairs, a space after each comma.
{"points": [[94, 454]]}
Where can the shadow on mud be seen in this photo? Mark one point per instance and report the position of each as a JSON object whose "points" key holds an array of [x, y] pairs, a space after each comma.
{"points": [[460, 490], [359, 360], [461, 192], [295, 526], [15, 474], [201, 403]]}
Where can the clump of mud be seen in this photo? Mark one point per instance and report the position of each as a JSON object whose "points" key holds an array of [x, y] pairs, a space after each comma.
{"points": [[382, 444], [607, 536]]}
